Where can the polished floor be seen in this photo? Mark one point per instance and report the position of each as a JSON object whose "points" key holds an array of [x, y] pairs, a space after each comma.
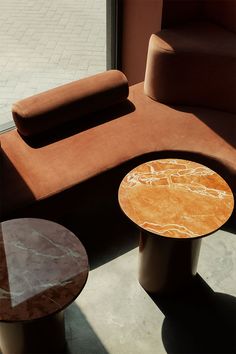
{"points": [[115, 315]]}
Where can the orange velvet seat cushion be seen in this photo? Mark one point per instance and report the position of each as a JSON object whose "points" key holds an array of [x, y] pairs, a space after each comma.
{"points": [[76, 100], [35, 173]]}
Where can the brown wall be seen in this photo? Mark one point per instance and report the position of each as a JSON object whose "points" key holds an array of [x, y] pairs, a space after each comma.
{"points": [[140, 18]]}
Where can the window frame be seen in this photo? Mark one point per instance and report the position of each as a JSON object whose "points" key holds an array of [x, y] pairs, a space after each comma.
{"points": [[113, 33]]}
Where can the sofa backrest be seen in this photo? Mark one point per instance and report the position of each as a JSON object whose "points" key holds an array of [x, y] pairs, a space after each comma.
{"points": [[193, 61], [221, 12], [178, 11]]}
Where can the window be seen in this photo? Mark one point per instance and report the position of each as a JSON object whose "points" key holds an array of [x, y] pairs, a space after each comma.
{"points": [[47, 43]]}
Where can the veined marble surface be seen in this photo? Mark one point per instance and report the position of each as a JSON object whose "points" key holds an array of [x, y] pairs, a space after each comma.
{"points": [[43, 268], [176, 198]]}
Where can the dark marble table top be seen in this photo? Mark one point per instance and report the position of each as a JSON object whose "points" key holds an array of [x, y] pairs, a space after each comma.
{"points": [[43, 268]]}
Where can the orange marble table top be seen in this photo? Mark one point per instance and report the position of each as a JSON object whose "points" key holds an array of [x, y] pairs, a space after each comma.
{"points": [[176, 198]]}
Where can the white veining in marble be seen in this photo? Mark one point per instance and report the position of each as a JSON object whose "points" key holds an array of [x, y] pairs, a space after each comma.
{"points": [[168, 229], [176, 198], [38, 260]]}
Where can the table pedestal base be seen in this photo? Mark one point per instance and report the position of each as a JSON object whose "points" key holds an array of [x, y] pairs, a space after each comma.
{"points": [[166, 264], [46, 335]]}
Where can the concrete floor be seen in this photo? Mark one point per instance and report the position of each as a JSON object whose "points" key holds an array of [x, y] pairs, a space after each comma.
{"points": [[115, 315]]}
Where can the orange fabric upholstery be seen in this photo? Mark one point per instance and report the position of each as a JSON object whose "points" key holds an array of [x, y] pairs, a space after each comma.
{"points": [[75, 100], [221, 12], [193, 64], [36, 173], [178, 11], [190, 67]]}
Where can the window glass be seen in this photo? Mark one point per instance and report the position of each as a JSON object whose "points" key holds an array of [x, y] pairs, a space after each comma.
{"points": [[47, 43]]}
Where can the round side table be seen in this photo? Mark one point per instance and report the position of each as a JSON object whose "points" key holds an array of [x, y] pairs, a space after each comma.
{"points": [[175, 203], [43, 268]]}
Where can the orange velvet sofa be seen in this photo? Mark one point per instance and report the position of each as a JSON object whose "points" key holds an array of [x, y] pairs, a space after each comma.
{"points": [[72, 145]]}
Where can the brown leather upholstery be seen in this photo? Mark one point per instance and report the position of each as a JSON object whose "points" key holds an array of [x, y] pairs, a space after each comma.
{"points": [[75, 100]]}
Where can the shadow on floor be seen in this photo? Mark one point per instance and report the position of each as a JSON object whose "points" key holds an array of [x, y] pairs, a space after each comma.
{"points": [[79, 334], [198, 320], [117, 242], [108, 235]]}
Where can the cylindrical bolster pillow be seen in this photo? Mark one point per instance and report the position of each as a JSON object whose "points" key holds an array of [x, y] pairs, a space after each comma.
{"points": [[49, 109]]}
